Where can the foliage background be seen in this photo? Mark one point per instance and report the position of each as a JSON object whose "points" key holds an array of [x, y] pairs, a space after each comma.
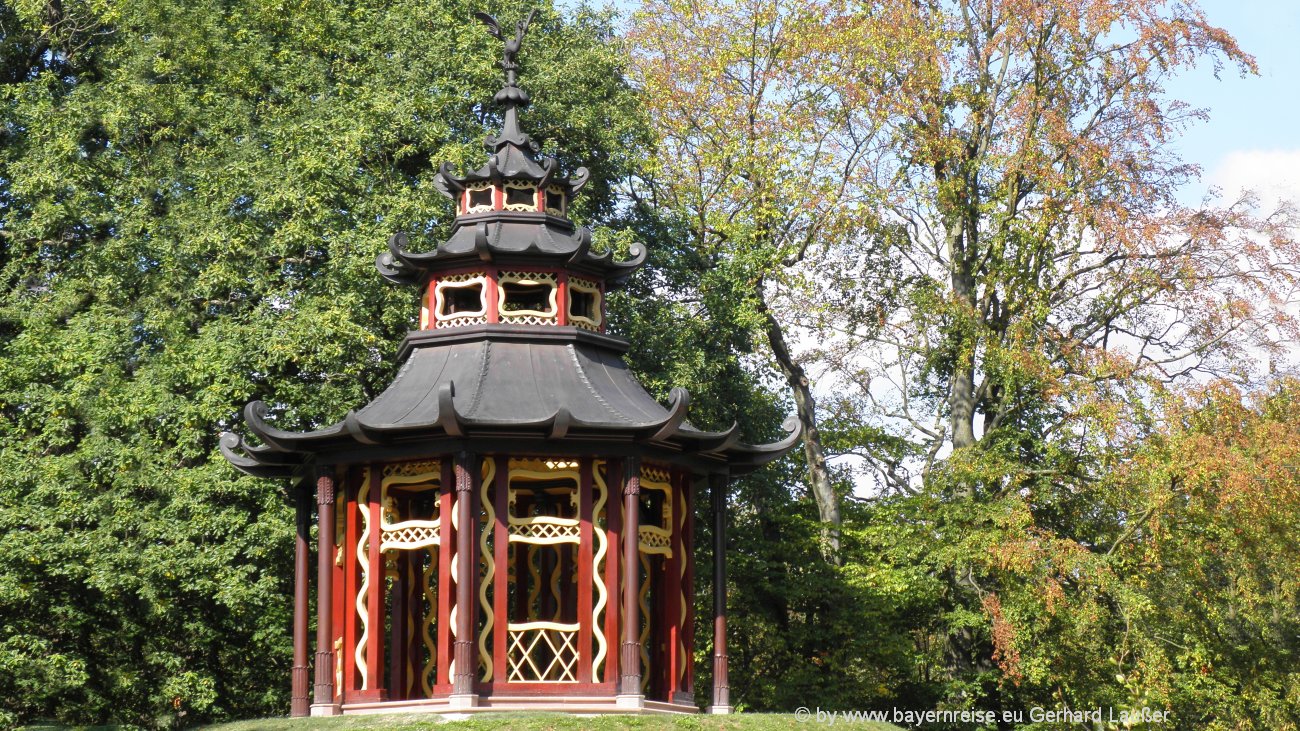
{"points": [[192, 195]]}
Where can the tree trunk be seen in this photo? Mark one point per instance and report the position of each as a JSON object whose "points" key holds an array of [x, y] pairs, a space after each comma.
{"points": [[828, 505], [961, 394]]}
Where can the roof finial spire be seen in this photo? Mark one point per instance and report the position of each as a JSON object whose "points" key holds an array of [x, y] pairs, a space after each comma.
{"points": [[511, 96]]}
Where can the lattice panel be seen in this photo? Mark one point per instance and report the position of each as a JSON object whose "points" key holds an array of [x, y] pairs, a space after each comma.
{"points": [[460, 320], [542, 652], [654, 474], [411, 537], [412, 469], [555, 530], [655, 540], [528, 317]]}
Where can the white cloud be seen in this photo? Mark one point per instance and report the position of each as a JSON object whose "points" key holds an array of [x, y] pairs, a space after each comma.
{"points": [[1272, 174]]}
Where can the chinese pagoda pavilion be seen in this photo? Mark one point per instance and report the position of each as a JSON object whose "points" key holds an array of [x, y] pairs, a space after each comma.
{"points": [[510, 524]]}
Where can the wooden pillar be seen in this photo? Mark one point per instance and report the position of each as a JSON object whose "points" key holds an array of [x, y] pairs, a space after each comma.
{"points": [[630, 691], [671, 615], [721, 689], [301, 698], [323, 702], [501, 576], [462, 681], [688, 589]]}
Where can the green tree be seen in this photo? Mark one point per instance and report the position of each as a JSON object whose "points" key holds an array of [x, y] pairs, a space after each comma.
{"points": [[192, 195]]}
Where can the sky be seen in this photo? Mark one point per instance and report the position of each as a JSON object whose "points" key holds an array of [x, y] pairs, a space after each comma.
{"points": [[1252, 139]]}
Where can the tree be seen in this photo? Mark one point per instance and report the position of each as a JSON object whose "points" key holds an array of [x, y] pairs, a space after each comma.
{"points": [[192, 195], [968, 213]]}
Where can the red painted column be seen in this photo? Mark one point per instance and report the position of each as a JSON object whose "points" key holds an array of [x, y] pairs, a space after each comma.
{"points": [[688, 589], [501, 573], [562, 299], [337, 602], [301, 698], [462, 681], [672, 594], [323, 702], [721, 689], [631, 649]]}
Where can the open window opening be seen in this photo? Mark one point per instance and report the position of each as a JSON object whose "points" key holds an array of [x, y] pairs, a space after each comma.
{"points": [[478, 199], [520, 196], [527, 298], [584, 304], [461, 299]]}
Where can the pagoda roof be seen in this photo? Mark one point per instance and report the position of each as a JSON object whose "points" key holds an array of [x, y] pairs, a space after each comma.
{"points": [[509, 237], [515, 382]]}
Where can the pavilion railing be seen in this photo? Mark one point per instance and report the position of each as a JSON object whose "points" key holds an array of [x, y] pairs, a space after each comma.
{"points": [[542, 652]]}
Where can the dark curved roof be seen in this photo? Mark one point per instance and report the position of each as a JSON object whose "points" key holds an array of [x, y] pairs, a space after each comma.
{"points": [[551, 383], [516, 389], [509, 237]]}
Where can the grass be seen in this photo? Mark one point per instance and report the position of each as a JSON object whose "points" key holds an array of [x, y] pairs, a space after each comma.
{"points": [[545, 722]]}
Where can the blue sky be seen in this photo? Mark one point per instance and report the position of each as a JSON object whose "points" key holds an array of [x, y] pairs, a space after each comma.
{"points": [[1253, 136]]}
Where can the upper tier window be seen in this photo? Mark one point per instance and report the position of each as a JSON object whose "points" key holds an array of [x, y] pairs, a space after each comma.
{"points": [[555, 200], [478, 198], [584, 304], [527, 297], [520, 196], [460, 299]]}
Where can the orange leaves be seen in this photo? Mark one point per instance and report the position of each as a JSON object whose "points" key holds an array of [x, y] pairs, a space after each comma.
{"points": [[1005, 653]]}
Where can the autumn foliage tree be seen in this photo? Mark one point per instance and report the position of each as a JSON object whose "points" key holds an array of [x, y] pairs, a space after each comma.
{"points": [[966, 214]]}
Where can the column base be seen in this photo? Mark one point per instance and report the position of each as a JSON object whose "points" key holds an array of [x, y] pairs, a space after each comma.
{"points": [[462, 700], [630, 702], [326, 709], [720, 710]]}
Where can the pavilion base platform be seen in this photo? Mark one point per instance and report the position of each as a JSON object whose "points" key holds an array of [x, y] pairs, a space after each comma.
{"points": [[581, 705]]}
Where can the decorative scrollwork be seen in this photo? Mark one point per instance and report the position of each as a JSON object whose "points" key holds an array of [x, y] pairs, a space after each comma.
{"points": [[489, 571], [597, 562]]}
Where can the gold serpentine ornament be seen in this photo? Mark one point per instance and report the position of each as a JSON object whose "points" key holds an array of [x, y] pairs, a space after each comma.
{"points": [[451, 616], [485, 555], [363, 558], [555, 587], [598, 575], [535, 576], [426, 674], [643, 600]]}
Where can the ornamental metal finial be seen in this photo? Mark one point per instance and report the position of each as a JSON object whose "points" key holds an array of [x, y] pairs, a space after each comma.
{"points": [[511, 96]]}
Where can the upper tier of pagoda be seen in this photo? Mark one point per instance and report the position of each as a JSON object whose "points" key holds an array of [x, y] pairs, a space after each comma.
{"points": [[512, 351], [512, 210]]}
